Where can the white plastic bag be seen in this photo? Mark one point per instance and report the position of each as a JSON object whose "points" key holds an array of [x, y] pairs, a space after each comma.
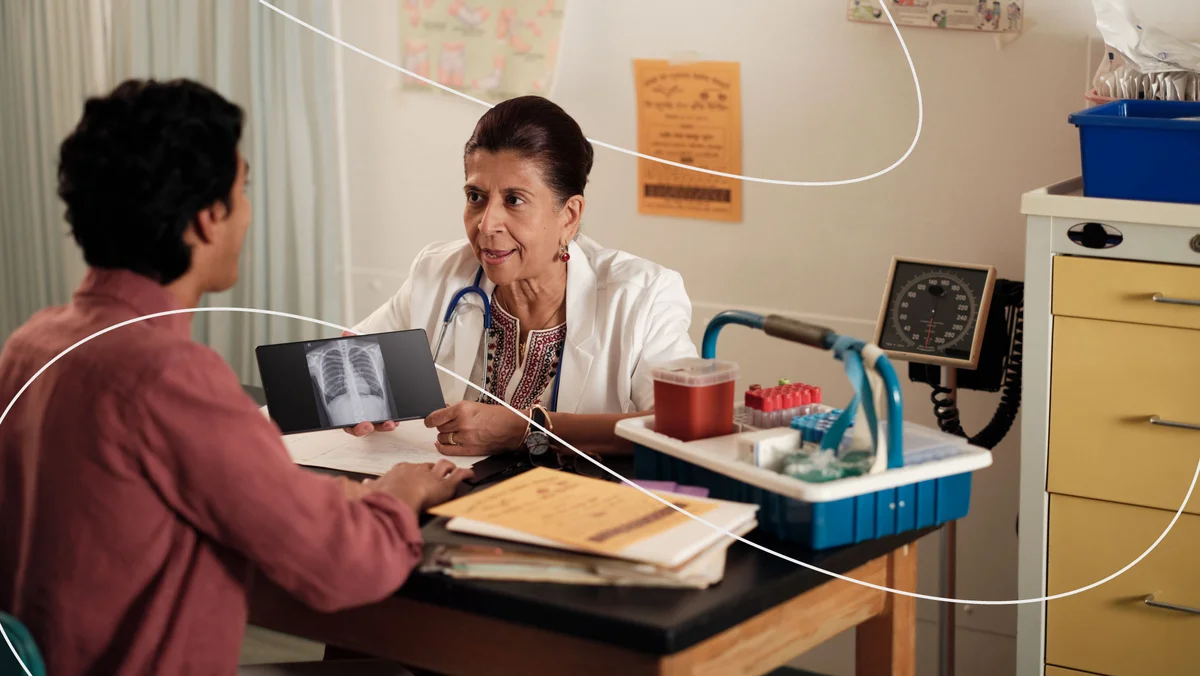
{"points": [[1148, 48]]}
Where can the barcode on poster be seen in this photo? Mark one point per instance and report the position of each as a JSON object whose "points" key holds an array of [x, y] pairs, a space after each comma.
{"points": [[682, 192]]}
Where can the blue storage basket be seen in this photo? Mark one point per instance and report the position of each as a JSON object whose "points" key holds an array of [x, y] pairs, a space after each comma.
{"points": [[822, 525], [901, 499], [1141, 150]]}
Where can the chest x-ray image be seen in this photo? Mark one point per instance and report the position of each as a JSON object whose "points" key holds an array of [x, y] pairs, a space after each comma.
{"points": [[350, 382]]}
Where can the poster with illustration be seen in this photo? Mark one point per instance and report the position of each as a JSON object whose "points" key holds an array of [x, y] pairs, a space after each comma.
{"points": [[992, 16], [490, 49]]}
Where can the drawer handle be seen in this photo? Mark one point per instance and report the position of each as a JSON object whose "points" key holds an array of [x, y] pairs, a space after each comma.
{"points": [[1159, 298], [1155, 420], [1170, 606]]}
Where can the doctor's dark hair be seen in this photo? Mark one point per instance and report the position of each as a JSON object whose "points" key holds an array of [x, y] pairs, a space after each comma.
{"points": [[139, 166], [538, 129]]}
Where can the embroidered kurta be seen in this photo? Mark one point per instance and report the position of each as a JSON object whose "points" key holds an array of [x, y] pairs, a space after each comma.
{"points": [[501, 370]]}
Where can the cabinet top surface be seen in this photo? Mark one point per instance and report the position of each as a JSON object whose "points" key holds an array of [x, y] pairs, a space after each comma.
{"points": [[1066, 200]]}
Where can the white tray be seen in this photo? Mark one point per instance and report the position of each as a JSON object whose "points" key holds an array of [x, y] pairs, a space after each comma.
{"points": [[719, 454]]}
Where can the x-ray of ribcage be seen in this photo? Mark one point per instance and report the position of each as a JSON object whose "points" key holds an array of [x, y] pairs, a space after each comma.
{"points": [[350, 378]]}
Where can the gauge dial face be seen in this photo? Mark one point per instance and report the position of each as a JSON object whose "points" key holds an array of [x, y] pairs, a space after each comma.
{"points": [[933, 310]]}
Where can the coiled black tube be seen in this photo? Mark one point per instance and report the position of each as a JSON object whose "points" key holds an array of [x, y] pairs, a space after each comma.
{"points": [[945, 408]]}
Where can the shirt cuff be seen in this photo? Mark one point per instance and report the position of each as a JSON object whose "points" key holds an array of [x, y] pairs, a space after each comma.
{"points": [[406, 518]]}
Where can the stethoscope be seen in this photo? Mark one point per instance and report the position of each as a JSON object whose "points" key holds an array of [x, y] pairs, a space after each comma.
{"points": [[452, 312]]}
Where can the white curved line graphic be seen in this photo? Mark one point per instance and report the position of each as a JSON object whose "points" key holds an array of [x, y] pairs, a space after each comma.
{"points": [[759, 547], [752, 179]]}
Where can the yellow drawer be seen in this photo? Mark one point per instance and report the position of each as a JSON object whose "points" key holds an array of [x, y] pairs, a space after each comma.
{"points": [[1059, 671], [1107, 380], [1110, 629], [1123, 291]]}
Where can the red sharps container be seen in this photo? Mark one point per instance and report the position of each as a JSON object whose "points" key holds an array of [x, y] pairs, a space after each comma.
{"points": [[693, 398]]}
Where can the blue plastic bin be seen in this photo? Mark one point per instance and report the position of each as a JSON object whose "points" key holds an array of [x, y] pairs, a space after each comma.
{"points": [[1141, 150], [823, 525], [917, 490]]}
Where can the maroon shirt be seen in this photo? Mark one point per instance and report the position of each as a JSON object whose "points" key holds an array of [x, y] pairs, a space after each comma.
{"points": [[139, 484]]}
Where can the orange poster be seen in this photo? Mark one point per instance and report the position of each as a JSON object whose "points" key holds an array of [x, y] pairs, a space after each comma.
{"points": [[689, 113]]}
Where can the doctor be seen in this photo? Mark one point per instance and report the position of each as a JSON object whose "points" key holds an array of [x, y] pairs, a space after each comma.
{"points": [[551, 322]]}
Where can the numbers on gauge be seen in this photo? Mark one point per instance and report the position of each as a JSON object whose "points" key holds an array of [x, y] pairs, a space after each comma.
{"points": [[932, 311]]}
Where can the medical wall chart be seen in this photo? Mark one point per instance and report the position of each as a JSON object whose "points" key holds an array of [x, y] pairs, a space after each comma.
{"points": [[490, 49], [992, 16], [689, 113]]}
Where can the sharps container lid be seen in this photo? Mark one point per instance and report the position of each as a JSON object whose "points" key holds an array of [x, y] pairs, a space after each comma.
{"points": [[695, 372]]}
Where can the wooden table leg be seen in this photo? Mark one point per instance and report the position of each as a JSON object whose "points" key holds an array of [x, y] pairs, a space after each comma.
{"points": [[887, 644]]}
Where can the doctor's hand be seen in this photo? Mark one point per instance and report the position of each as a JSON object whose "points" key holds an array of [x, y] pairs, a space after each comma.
{"points": [[472, 428], [362, 429]]}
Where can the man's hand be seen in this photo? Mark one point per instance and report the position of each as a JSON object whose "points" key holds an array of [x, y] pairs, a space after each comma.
{"points": [[421, 486], [478, 429]]}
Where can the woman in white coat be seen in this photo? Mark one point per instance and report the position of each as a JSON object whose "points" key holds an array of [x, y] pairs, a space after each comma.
{"points": [[575, 327]]}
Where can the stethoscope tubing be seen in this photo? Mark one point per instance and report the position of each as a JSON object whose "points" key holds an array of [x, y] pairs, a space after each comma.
{"points": [[452, 312]]}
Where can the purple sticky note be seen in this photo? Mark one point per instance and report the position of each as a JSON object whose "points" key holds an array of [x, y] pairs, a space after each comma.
{"points": [[667, 486], [672, 487], [694, 491]]}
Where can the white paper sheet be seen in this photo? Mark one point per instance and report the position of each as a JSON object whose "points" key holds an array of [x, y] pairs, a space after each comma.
{"points": [[373, 454]]}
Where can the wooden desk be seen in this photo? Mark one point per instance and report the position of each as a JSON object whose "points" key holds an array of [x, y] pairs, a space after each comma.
{"points": [[765, 612]]}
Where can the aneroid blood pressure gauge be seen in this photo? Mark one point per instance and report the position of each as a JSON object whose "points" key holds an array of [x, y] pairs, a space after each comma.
{"points": [[935, 312]]}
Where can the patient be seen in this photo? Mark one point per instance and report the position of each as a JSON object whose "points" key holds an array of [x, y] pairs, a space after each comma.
{"points": [[139, 485]]}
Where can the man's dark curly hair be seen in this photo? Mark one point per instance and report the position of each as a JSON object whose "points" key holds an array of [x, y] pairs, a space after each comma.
{"points": [[142, 162]]}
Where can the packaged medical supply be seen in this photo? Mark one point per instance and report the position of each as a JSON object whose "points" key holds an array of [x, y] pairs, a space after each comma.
{"points": [[768, 448], [693, 398], [816, 466]]}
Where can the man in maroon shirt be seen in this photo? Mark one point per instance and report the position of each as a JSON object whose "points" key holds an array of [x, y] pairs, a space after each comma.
{"points": [[138, 483]]}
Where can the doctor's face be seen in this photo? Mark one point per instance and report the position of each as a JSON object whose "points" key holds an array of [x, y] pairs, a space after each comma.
{"points": [[513, 218]]}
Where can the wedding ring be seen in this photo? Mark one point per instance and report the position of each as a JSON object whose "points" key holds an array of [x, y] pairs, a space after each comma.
{"points": [[450, 440]]}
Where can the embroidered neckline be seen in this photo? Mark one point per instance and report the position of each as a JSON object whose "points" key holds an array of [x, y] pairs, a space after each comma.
{"points": [[541, 363]]}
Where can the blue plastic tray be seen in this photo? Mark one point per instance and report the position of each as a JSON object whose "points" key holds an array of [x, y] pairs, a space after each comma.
{"points": [[823, 525], [1141, 150]]}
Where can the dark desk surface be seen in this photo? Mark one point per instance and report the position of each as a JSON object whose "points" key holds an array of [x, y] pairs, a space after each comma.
{"points": [[649, 620]]}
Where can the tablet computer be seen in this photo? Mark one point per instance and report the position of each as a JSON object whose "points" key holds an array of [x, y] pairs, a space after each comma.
{"points": [[340, 382]]}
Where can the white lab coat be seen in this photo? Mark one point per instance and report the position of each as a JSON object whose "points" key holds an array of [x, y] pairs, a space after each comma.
{"points": [[624, 314]]}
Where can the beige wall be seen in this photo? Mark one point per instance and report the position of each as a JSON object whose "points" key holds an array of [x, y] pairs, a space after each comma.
{"points": [[822, 99]]}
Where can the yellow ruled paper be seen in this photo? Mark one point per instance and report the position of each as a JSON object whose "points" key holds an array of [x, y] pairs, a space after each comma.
{"points": [[591, 514]]}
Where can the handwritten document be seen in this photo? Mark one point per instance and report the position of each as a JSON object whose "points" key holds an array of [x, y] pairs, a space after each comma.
{"points": [[589, 514], [373, 454], [689, 113]]}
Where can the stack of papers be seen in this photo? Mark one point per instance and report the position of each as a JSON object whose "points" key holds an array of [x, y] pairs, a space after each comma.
{"points": [[550, 526], [373, 454]]}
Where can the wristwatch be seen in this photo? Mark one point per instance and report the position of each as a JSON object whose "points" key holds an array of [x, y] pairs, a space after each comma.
{"points": [[536, 441]]}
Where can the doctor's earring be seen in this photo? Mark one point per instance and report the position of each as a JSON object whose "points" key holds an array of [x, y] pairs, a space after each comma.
{"points": [[563, 254]]}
